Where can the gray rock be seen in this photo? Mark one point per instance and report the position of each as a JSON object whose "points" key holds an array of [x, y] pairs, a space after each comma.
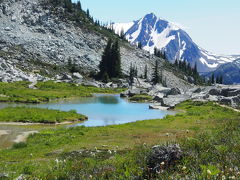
{"points": [[91, 83], [158, 106], [162, 157], [173, 100], [159, 97], [77, 75], [174, 91], [66, 77]]}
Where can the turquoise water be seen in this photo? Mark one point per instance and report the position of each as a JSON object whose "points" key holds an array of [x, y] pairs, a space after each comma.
{"points": [[103, 110]]}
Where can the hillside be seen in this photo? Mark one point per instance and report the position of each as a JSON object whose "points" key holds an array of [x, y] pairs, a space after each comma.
{"points": [[38, 40]]}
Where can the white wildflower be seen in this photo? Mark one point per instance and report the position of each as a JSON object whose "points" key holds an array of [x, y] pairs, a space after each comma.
{"points": [[209, 172], [184, 168]]}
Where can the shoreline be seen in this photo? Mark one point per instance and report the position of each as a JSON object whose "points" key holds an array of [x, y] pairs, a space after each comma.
{"points": [[29, 124]]}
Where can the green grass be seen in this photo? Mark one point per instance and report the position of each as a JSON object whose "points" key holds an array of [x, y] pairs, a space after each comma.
{"points": [[47, 91], [141, 98], [37, 115], [207, 133]]}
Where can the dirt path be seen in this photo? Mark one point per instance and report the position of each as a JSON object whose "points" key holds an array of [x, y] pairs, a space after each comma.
{"points": [[4, 132], [23, 137], [29, 124]]}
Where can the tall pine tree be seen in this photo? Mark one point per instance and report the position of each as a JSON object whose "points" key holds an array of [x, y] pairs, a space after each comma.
{"points": [[156, 76]]}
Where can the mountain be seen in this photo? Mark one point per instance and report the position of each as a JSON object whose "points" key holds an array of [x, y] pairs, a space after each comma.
{"points": [[229, 71], [40, 40], [155, 32]]}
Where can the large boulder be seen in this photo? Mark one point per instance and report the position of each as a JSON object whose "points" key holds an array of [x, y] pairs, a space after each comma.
{"points": [[132, 92], [158, 89], [174, 91], [173, 100], [77, 75], [161, 157]]}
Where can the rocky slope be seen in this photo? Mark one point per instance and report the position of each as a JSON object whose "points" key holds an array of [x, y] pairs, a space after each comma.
{"points": [[153, 32], [36, 44]]}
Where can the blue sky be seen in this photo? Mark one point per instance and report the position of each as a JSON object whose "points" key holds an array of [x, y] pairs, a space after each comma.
{"points": [[213, 24]]}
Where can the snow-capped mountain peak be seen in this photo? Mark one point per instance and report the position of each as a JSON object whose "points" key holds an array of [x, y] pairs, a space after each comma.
{"points": [[153, 32]]}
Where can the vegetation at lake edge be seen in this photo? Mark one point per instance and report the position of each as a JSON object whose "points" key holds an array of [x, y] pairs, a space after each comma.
{"points": [[47, 91], [38, 115], [141, 98], [208, 135]]}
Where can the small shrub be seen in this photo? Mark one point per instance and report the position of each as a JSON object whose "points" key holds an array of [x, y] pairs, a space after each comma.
{"points": [[19, 145]]}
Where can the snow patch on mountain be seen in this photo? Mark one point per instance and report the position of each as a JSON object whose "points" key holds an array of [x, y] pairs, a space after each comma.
{"points": [[118, 27]]}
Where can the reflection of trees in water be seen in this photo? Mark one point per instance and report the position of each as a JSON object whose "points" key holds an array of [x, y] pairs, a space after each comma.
{"points": [[108, 100]]}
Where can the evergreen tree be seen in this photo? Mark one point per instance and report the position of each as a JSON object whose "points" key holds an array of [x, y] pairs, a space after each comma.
{"points": [[176, 64], [131, 75], [217, 80], [221, 79], [212, 79], [139, 45], [88, 13], [111, 61], [104, 64], [122, 34], [115, 65], [155, 75], [68, 5], [79, 6], [146, 72]]}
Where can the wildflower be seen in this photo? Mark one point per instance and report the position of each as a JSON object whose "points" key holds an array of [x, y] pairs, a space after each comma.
{"points": [[109, 151], [57, 161], [184, 168], [167, 134], [233, 177], [90, 176], [162, 163], [223, 177], [31, 155], [209, 172]]}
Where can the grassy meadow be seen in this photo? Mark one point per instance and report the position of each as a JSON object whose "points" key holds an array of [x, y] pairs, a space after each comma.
{"points": [[207, 133], [37, 115], [47, 91]]}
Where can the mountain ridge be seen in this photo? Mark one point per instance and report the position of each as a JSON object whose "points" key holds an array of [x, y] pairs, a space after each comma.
{"points": [[153, 32]]}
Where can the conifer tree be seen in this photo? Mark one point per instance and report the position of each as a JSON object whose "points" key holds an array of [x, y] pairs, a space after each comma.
{"points": [[221, 79], [79, 6], [139, 45], [212, 79], [131, 75], [155, 75], [122, 34], [104, 64], [146, 72]]}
